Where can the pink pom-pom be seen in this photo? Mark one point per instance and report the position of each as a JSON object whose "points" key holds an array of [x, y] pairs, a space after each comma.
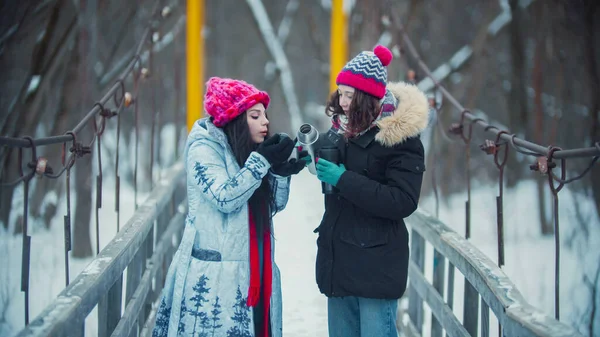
{"points": [[384, 54]]}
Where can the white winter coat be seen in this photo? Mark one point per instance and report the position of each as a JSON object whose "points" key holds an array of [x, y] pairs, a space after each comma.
{"points": [[206, 296]]}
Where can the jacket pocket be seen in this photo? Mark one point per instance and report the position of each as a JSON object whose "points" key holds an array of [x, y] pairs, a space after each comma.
{"points": [[206, 254], [365, 237], [415, 165]]}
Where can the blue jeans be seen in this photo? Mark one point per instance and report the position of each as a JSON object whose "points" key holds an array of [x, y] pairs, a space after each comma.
{"points": [[361, 317]]}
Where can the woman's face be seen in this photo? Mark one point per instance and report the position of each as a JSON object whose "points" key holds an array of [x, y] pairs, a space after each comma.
{"points": [[346, 94], [258, 124]]}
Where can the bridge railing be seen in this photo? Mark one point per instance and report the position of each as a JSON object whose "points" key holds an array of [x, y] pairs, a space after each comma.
{"points": [[122, 132], [486, 287], [137, 257], [550, 162]]}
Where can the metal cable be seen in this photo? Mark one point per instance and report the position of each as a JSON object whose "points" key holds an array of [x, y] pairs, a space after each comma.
{"points": [[116, 93], [516, 142]]}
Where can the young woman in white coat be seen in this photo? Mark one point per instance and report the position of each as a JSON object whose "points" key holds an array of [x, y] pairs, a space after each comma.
{"points": [[223, 280]]}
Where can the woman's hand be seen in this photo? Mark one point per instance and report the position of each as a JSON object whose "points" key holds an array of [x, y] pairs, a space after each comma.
{"points": [[293, 166], [329, 172], [276, 149]]}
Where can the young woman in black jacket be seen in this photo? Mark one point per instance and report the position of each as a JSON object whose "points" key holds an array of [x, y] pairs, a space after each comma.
{"points": [[362, 258]]}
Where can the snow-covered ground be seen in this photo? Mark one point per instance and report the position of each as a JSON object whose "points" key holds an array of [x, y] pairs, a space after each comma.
{"points": [[529, 257], [304, 307]]}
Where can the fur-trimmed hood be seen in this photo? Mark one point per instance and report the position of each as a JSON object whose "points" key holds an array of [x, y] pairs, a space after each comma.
{"points": [[409, 118]]}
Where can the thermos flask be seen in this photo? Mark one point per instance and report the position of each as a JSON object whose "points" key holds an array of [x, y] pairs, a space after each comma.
{"points": [[331, 154]]}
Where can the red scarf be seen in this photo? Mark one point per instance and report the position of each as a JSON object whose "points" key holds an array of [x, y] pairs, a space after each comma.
{"points": [[254, 288]]}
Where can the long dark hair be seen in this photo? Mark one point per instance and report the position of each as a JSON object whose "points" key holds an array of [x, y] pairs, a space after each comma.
{"points": [[363, 110], [262, 201]]}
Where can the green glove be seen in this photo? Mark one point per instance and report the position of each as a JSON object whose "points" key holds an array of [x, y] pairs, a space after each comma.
{"points": [[329, 172], [303, 156]]}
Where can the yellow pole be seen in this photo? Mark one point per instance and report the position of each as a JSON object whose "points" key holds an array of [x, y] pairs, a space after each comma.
{"points": [[338, 52], [194, 59]]}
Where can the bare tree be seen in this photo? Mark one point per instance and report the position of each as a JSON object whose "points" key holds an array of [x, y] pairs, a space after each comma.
{"points": [[22, 116], [577, 239], [593, 285], [83, 171], [517, 98], [6, 293], [518, 89], [538, 127]]}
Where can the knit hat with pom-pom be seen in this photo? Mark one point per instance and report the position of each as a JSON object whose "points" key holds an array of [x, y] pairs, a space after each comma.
{"points": [[226, 98], [367, 71]]}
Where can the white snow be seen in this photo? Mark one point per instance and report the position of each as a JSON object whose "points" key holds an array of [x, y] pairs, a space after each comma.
{"points": [[161, 42], [275, 47], [286, 23], [460, 57], [34, 83], [385, 39], [95, 266], [347, 6], [304, 307]]}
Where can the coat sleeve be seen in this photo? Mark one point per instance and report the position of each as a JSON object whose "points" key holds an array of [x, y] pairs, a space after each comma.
{"points": [[399, 197], [280, 187], [206, 168]]}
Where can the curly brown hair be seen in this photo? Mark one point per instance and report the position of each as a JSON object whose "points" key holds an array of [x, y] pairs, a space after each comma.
{"points": [[363, 110]]}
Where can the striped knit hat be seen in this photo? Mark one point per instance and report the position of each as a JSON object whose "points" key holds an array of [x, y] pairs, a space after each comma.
{"points": [[367, 71]]}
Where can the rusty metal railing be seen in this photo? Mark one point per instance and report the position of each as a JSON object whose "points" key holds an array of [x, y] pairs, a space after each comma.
{"points": [[144, 247], [489, 284], [547, 160], [119, 99]]}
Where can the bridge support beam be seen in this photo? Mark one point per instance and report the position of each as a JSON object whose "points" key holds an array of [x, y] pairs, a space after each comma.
{"points": [[338, 46], [194, 60]]}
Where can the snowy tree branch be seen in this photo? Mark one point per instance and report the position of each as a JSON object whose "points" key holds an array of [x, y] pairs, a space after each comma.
{"points": [[5, 293], [593, 286], [284, 27], [276, 50], [464, 54], [318, 42], [159, 45], [121, 34], [282, 34]]}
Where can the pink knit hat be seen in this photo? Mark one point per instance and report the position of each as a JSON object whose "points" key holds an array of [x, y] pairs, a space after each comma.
{"points": [[227, 98], [367, 71]]}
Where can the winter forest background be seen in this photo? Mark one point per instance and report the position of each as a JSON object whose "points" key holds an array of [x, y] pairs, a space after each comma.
{"points": [[537, 75]]}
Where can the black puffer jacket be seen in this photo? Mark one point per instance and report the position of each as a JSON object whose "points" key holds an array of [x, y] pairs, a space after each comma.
{"points": [[363, 241]]}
